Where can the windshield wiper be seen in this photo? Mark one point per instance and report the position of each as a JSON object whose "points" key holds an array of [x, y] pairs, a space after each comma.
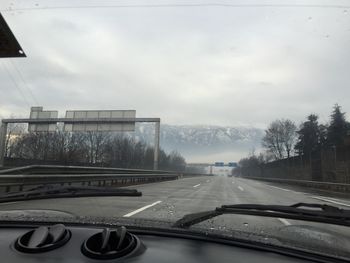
{"points": [[301, 211], [50, 191]]}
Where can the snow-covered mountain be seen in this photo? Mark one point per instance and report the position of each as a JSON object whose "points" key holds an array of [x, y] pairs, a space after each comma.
{"points": [[204, 143]]}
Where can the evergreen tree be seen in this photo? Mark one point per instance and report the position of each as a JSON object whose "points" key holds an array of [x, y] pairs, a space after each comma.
{"points": [[338, 127], [309, 136]]}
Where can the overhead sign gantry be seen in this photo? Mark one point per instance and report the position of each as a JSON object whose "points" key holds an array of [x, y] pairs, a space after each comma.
{"points": [[82, 121]]}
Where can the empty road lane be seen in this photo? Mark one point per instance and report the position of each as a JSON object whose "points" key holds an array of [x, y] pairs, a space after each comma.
{"points": [[173, 199]]}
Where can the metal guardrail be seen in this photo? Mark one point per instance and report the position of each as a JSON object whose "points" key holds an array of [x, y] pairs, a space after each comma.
{"points": [[55, 169], [23, 178], [10, 183], [330, 186]]}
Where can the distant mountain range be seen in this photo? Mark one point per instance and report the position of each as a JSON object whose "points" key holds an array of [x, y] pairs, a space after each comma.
{"points": [[204, 143]]}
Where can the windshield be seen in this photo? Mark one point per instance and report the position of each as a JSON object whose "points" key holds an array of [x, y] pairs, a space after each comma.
{"points": [[196, 104]]}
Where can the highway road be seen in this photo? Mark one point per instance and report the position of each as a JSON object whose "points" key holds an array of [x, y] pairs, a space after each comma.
{"points": [[171, 200]]}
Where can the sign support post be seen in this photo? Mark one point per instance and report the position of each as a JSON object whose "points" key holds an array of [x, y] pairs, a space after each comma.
{"points": [[3, 133], [156, 145]]}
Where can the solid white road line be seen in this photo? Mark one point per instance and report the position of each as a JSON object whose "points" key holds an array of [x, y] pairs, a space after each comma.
{"points": [[240, 188], [284, 221], [141, 209], [280, 188], [330, 201], [10, 203], [287, 190], [196, 185]]}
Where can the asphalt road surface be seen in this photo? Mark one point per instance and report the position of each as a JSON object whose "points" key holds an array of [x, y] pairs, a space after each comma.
{"points": [[173, 199]]}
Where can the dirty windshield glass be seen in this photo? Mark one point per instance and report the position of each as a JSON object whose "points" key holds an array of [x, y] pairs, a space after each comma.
{"points": [[193, 104]]}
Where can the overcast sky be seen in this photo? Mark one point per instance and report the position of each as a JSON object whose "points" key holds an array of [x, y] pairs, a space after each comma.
{"points": [[187, 65]]}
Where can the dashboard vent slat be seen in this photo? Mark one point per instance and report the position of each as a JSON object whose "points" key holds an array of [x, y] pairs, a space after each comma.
{"points": [[38, 237], [112, 244], [57, 232], [43, 239]]}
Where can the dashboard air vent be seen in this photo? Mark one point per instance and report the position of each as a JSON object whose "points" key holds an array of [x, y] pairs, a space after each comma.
{"points": [[111, 244], [43, 239]]}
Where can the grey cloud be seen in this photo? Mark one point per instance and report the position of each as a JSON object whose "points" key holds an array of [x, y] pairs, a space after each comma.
{"points": [[195, 66]]}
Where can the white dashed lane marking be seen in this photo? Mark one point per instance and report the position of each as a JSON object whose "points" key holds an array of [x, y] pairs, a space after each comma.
{"points": [[141, 209], [240, 188], [284, 221], [196, 185], [287, 190]]}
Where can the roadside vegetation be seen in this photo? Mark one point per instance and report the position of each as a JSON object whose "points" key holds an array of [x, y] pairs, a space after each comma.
{"points": [[285, 140], [84, 148]]}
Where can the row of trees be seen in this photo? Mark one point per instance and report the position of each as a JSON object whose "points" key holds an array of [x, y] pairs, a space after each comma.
{"points": [[91, 148], [283, 138]]}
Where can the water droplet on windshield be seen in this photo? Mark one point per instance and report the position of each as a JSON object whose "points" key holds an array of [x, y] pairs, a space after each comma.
{"points": [[345, 11], [310, 18], [326, 36], [222, 228]]}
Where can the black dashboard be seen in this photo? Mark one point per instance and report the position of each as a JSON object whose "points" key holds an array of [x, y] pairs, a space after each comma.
{"points": [[60, 243]]}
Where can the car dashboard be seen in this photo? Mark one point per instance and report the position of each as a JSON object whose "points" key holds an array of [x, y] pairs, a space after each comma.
{"points": [[61, 243]]}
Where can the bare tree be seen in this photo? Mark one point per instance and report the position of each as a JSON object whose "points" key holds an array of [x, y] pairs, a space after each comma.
{"points": [[176, 162], [91, 148], [14, 131], [289, 135], [272, 139], [280, 138], [68, 147], [95, 142]]}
